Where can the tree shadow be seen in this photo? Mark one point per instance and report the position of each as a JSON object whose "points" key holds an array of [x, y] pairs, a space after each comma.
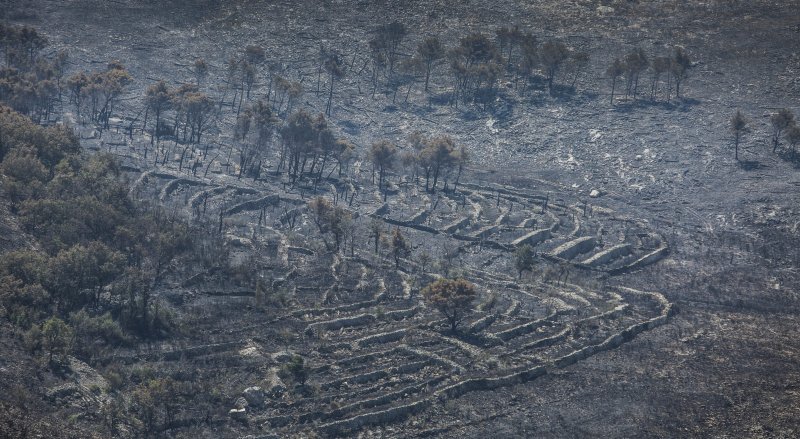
{"points": [[627, 106], [790, 156], [441, 98], [349, 127], [750, 165]]}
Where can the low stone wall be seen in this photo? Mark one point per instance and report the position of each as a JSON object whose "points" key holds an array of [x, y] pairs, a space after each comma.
{"points": [[332, 325], [343, 308], [575, 247], [198, 198], [420, 217], [383, 210], [385, 337], [504, 191], [485, 231], [481, 324], [377, 401], [533, 237], [477, 384], [389, 415], [258, 204], [173, 184], [452, 227], [196, 351], [626, 335], [647, 259], [401, 314], [408, 224], [608, 255], [449, 364], [525, 328]]}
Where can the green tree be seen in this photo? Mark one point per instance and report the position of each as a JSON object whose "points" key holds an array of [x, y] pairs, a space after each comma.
{"points": [[453, 298], [524, 258], [296, 369], [56, 337]]}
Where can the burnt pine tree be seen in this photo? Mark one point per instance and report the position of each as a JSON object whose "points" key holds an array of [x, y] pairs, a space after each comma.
{"points": [[438, 156], [553, 54], [200, 71], [334, 66], [615, 70], [376, 232], [793, 137], [475, 64], [330, 220], [507, 37], [430, 51], [780, 121], [255, 54], [240, 132], [529, 58], [579, 62], [738, 128], [401, 248], [636, 62], [264, 122], [679, 68], [158, 99], [660, 66], [387, 40], [199, 108], [382, 155], [298, 136]]}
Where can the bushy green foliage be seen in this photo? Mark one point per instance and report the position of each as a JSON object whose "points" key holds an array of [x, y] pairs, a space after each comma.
{"points": [[96, 248], [57, 338], [296, 370], [524, 259]]}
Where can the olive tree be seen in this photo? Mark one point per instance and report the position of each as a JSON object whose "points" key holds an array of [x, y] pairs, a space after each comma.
{"points": [[454, 298]]}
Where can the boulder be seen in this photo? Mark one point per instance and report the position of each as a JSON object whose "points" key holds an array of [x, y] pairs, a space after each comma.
{"points": [[254, 395], [238, 414], [274, 386]]}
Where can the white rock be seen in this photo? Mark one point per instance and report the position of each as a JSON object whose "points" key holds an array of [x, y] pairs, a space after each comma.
{"points": [[594, 193], [238, 414]]}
